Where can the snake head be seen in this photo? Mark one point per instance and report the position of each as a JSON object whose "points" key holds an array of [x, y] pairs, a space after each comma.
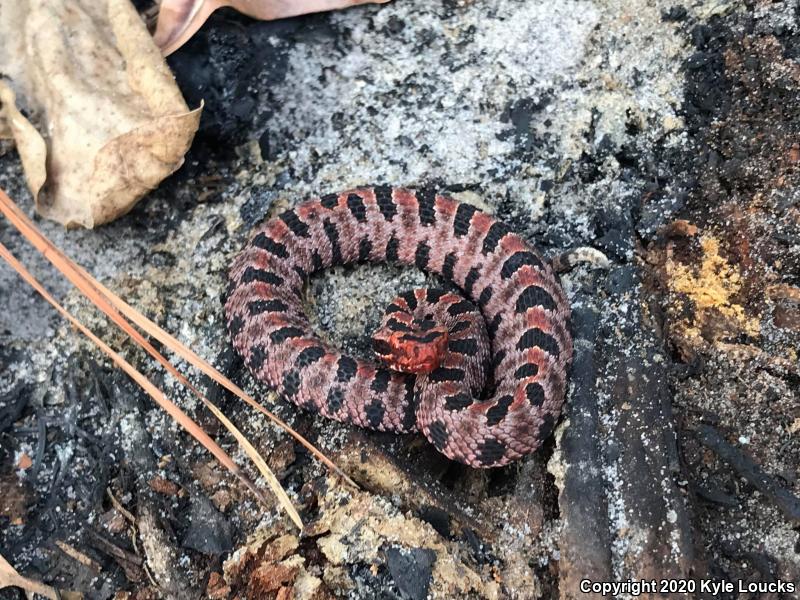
{"points": [[415, 351]]}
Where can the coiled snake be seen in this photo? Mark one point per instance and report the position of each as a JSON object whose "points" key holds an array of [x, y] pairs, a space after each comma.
{"points": [[482, 375]]}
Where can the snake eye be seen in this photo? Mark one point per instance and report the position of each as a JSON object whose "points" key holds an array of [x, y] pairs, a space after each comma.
{"points": [[381, 347]]}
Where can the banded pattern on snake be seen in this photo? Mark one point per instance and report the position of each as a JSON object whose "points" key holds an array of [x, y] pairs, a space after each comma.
{"points": [[485, 373]]}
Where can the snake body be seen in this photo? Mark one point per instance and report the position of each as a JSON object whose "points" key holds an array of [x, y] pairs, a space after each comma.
{"points": [[494, 394]]}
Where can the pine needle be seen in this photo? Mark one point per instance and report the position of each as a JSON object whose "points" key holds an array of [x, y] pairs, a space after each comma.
{"points": [[170, 407], [110, 304]]}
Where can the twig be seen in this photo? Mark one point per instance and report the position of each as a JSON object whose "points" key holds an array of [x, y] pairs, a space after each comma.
{"points": [[79, 556], [120, 509], [746, 467], [112, 549]]}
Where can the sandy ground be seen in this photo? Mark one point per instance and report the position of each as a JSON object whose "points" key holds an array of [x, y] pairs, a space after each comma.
{"points": [[579, 123]]}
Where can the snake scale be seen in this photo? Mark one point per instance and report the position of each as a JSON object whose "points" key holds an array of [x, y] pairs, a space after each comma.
{"points": [[482, 375]]}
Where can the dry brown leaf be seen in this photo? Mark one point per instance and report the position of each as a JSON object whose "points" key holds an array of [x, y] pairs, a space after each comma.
{"points": [[30, 145], [178, 20], [110, 121], [5, 128]]}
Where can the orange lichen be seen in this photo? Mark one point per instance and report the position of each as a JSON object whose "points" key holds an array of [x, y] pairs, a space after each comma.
{"points": [[713, 286]]}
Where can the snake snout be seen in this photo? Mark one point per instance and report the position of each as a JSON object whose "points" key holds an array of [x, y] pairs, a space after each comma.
{"points": [[414, 351]]}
